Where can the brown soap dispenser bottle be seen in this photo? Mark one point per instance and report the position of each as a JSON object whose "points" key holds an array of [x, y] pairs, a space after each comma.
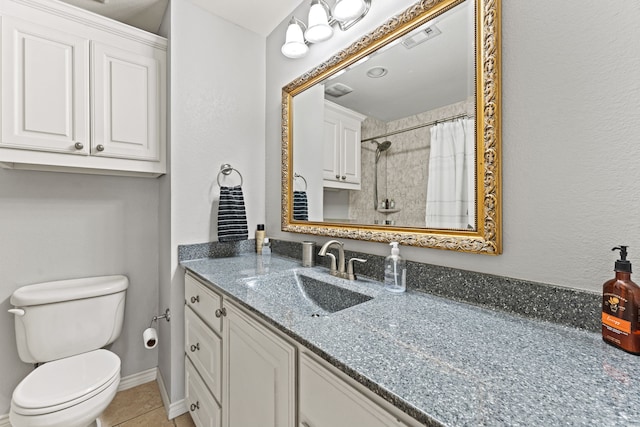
{"points": [[620, 304]]}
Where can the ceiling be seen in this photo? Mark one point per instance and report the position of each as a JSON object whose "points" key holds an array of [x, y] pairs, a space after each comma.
{"points": [[262, 18], [432, 74]]}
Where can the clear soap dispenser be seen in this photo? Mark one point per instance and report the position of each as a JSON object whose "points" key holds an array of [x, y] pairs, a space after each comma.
{"points": [[395, 271]]}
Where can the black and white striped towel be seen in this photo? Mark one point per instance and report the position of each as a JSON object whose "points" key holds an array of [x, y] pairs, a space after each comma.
{"points": [[232, 218], [300, 206]]}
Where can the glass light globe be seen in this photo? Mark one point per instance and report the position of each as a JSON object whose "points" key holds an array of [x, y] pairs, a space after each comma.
{"points": [[347, 10], [294, 45], [319, 29]]}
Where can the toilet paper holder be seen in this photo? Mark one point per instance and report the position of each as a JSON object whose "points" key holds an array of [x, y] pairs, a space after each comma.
{"points": [[166, 316]]}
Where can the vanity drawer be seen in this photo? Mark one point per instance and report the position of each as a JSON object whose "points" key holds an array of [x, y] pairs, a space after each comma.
{"points": [[203, 408], [203, 301], [204, 349]]}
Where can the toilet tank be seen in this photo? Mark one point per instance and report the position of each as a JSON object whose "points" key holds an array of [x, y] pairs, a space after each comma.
{"points": [[67, 317]]}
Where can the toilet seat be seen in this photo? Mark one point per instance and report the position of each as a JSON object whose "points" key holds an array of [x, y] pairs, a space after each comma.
{"points": [[64, 383]]}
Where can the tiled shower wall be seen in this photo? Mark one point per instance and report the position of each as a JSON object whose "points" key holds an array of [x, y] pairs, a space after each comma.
{"points": [[402, 169]]}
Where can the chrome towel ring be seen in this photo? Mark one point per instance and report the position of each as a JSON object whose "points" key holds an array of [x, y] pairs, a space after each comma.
{"points": [[297, 175], [226, 169]]}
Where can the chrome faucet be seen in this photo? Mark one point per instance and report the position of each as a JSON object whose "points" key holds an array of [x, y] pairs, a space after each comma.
{"points": [[339, 270]]}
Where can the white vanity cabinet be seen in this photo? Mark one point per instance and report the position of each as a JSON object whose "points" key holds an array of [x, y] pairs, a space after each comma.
{"points": [[238, 372], [242, 372], [259, 377], [81, 93], [342, 151], [325, 400]]}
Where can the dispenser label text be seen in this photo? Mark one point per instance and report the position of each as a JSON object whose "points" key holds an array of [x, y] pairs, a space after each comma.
{"points": [[616, 323]]}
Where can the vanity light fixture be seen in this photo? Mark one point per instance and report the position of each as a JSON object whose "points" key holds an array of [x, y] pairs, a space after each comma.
{"points": [[321, 18]]}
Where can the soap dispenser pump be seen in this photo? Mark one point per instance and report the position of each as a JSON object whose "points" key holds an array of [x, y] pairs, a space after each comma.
{"points": [[620, 307], [395, 271]]}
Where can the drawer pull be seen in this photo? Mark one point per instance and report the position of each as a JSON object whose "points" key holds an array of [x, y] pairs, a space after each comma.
{"points": [[221, 312], [195, 347], [195, 406], [195, 299]]}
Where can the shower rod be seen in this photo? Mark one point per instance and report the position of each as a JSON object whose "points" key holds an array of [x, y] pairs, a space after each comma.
{"points": [[459, 116]]}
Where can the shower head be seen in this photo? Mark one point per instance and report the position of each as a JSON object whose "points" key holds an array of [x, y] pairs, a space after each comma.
{"points": [[384, 146]]}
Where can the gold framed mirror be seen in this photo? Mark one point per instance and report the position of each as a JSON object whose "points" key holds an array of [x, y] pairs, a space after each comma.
{"points": [[318, 121]]}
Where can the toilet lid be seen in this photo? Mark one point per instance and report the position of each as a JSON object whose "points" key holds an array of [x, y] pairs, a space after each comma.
{"points": [[66, 382]]}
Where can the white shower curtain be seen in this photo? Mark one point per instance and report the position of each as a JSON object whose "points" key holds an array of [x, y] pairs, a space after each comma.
{"points": [[451, 181]]}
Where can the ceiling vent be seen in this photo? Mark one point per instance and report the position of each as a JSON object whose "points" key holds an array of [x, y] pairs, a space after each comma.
{"points": [[337, 90], [421, 36]]}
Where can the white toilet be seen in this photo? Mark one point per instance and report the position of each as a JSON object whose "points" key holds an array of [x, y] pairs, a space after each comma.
{"points": [[66, 324]]}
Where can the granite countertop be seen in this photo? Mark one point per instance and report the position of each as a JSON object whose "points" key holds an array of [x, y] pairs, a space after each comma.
{"points": [[440, 361]]}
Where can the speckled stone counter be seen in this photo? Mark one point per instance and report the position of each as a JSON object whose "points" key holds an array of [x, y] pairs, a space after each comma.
{"points": [[440, 361]]}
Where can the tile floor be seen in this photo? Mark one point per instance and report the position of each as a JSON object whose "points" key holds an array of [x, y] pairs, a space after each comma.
{"points": [[141, 406]]}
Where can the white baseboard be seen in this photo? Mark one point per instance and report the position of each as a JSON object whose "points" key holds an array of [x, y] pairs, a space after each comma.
{"points": [[134, 380], [4, 421], [172, 409]]}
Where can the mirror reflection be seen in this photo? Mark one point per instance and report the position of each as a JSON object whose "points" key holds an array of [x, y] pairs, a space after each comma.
{"points": [[391, 140]]}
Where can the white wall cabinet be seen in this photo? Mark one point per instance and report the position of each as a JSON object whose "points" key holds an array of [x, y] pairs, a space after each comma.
{"points": [[342, 151], [243, 371], [81, 93]]}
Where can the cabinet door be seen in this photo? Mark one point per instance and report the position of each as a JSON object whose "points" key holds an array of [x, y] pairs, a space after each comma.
{"points": [[203, 408], [327, 401], [259, 383], [350, 152], [331, 163], [126, 102], [45, 82]]}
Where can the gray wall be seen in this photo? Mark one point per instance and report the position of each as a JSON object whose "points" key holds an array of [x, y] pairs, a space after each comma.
{"points": [[57, 226], [217, 116], [571, 127]]}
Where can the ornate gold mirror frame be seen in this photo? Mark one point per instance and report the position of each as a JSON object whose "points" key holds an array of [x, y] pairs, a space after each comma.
{"points": [[486, 238]]}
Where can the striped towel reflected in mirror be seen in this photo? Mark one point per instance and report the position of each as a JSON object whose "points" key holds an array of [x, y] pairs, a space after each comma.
{"points": [[232, 217], [300, 209]]}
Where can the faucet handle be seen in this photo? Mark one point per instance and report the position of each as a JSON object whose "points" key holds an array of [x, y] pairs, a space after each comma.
{"points": [[350, 274], [334, 268]]}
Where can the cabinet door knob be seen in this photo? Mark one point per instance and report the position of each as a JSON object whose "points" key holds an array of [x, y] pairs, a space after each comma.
{"points": [[195, 406], [337, 176], [195, 299], [195, 347], [100, 147], [344, 177], [79, 145], [221, 312]]}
